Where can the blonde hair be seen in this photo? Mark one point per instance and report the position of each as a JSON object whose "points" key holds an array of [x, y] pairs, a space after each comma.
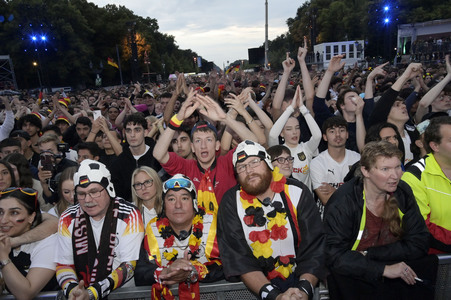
{"points": [[158, 205], [67, 174]]}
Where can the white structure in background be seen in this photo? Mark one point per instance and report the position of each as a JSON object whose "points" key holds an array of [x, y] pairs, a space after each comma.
{"points": [[424, 38], [354, 51]]}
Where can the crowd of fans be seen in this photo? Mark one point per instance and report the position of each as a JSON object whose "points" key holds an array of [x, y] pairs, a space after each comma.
{"points": [[278, 179]]}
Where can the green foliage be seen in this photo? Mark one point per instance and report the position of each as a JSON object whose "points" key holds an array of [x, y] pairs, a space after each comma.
{"points": [[80, 35]]}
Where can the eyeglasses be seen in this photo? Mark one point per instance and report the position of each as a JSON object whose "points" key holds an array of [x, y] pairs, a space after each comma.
{"points": [[94, 194], [26, 191], [282, 160], [141, 185], [177, 183], [253, 164]]}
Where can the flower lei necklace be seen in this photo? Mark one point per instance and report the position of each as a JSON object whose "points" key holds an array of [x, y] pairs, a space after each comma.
{"points": [[167, 233], [281, 266]]}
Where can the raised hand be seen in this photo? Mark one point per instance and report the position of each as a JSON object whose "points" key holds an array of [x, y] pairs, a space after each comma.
{"points": [[189, 106], [335, 63], [288, 64], [379, 70], [413, 70], [234, 102], [302, 51], [210, 108], [297, 101]]}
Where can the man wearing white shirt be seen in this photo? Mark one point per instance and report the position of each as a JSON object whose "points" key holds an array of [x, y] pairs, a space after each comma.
{"points": [[330, 167]]}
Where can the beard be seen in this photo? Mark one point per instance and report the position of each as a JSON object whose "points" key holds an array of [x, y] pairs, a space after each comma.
{"points": [[256, 188]]}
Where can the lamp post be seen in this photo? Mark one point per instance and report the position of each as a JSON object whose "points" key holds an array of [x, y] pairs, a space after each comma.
{"points": [[35, 64], [39, 41], [266, 34]]}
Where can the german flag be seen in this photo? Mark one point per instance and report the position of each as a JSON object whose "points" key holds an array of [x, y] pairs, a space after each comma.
{"points": [[233, 68], [112, 63]]}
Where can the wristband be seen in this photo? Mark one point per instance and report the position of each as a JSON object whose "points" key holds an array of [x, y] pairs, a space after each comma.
{"points": [[269, 292], [68, 288], [175, 123], [305, 286]]}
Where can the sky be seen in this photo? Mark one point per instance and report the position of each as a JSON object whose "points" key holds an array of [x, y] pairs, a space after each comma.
{"points": [[218, 30]]}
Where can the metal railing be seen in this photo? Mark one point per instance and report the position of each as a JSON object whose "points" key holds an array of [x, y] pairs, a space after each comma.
{"points": [[224, 290]]}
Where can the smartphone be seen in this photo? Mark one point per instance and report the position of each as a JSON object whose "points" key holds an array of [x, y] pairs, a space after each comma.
{"points": [[96, 114], [47, 162]]}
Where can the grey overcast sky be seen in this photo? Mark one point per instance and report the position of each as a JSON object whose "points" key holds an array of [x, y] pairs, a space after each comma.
{"points": [[218, 30]]}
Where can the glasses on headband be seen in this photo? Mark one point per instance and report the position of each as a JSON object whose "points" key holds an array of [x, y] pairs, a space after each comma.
{"points": [[26, 191], [177, 183]]}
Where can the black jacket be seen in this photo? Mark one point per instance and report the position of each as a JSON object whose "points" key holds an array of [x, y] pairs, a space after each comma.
{"points": [[125, 164], [342, 222]]}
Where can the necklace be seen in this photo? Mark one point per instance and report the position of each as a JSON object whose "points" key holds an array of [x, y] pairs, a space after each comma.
{"points": [[274, 222], [167, 233]]}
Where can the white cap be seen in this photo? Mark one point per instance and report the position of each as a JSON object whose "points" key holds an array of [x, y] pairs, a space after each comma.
{"points": [[249, 148]]}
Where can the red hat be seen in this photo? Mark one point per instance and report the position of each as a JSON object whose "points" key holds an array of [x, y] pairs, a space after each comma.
{"points": [[62, 118], [62, 102]]}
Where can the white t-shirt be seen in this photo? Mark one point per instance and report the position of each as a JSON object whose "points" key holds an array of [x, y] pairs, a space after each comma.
{"points": [[325, 169], [41, 253]]}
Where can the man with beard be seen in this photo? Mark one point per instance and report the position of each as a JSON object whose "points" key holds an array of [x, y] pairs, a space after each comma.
{"points": [[269, 230]]}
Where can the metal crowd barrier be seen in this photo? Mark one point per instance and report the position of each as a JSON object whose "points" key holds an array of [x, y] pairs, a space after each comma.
{"points": [[224, 290], [443, 283]]}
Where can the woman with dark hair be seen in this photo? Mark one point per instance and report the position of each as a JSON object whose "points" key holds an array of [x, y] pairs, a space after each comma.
{"points": [[27, 269], [7, 178], [24, 178], [376, 238], [386, 132], [281, 158]]}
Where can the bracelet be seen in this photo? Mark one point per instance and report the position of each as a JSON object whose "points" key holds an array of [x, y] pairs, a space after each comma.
{"points": [[91, 294], [305, 286], [252, 120], [269, 292]]}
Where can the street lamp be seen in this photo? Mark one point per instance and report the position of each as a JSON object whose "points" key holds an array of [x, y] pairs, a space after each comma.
{"points": [[35, 64]]}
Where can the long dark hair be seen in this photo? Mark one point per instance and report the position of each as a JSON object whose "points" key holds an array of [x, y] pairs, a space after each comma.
{"points": [[30, 202], [11, 172], [374, 135], [23, 167]]}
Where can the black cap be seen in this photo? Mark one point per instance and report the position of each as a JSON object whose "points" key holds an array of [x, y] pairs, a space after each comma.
{"points": [[20, 133]]}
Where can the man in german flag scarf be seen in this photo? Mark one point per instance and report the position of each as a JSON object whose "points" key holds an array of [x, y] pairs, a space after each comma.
{"points": [[179, 244], [269, 229]]}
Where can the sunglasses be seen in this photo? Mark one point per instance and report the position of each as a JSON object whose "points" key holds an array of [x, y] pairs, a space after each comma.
{"points": [[26, 191], [177, 183]]}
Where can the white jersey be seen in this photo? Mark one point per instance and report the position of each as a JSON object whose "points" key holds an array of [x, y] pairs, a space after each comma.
{"points": [[129, 235], [325, 169], [302, 163]]}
